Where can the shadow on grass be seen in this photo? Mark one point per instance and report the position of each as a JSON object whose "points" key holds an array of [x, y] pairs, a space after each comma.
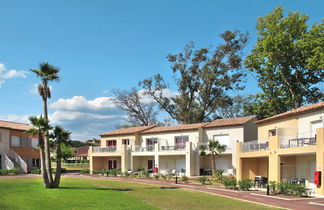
{"points": [[94, 188]]}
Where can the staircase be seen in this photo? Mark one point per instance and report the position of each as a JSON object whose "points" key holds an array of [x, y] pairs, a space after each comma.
{"points": [[12, 160]]}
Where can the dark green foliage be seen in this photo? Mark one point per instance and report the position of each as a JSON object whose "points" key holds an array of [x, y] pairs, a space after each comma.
{"points": [[185, 179], [288, 61], [203, 77], [85, 171], [288, 188], [230, 182], [36, 171], [11, 172], [245, 184], [203, 180]]}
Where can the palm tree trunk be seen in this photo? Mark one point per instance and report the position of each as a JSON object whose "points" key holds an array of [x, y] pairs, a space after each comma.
{"points": [[213, 162], [47, 148], [43, 168], [58, 166]]}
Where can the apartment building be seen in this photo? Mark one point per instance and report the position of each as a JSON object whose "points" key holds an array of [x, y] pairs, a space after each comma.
{"points": [[290, 147], [171, 149], [17, 149]]}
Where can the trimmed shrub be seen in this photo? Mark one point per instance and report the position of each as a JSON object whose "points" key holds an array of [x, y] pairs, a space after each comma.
{"points": [[156, 176], [245, 184], [85, 171], [202, 180], [14, 171], [185, 179], [230, 182], [36, 171]]}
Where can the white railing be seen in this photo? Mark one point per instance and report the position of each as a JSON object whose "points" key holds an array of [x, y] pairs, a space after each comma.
{"points": [[298, 140], [105, 149], [256, 145], [140, 148], [176, 147], [21, 163]]}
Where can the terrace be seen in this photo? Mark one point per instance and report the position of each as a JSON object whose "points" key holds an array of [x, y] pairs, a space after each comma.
{"points": [[298, 140], [257, 145]]}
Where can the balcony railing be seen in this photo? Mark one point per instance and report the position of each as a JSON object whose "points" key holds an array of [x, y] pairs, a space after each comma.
{"points": [[177, 147], [104, 149], [299, 140], [228, 147], [253, 146], [139, 148]]}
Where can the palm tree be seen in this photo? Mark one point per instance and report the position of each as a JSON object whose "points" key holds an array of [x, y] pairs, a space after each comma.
{"points": [[59, 137], [213, 150], [40, 129], [46, 73]]}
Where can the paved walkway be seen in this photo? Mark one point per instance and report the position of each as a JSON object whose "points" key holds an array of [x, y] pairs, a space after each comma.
{"points": [[250, 196]]}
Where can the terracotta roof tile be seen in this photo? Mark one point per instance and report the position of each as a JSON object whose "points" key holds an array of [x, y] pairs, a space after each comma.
{"points": [[14, 125], [294, 112], [125, 131], [229, 122], [193, 126]]}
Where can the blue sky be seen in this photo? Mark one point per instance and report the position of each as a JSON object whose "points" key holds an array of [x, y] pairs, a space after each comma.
{"points": [[104, 45]]}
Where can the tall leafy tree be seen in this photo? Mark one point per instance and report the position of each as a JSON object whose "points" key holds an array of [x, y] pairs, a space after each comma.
{"points": [[60, 138], [213, 150], [46, 73], [40, 129], [140, 112], [203, 77], [288, 61]]}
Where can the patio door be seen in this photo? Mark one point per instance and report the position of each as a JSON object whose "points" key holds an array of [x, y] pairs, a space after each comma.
{"points": [[315, 125], [112, 164], [312, 169], [111, 143], [180, 141], [150, 165], [150, 143]]}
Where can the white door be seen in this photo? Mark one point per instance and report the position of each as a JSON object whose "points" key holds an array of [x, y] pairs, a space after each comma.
{"points": [[222, 139], [312, 169], [222, 163], [180, 164]]}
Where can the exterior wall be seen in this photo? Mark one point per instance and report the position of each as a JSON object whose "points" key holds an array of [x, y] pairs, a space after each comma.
{"points": [[168, 138], [118, 141], [222, 162], [256, 167], [99, 163], [286, 127], [5, 139], [140, 162], [250, 131], [304, 121], [235, 134]]}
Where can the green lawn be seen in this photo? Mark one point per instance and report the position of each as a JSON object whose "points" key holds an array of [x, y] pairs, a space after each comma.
{"points": [[80, 193]]}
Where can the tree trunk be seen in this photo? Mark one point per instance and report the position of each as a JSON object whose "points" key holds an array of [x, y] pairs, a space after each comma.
{"points": [[213, 162], [43, 168], [47, 149], [57, 179]]}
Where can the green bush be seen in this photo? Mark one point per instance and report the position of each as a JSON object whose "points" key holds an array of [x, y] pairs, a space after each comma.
{"points": [[289, 188], [85, 171], [101, 172], [14, 171], [230, 182], [144, 173], [185, 179], [164, 177], [202, 180], [245, 184], [156, 176], [36, 171]]}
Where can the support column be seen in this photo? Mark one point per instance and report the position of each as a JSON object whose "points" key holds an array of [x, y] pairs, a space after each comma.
{"points": [[320, 158], [239, 174], [274, 159], [156, 156], [189, 157], [90, 159], [123, 158]]}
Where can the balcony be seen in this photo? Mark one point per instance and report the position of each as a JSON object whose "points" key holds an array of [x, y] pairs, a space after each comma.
{"points": [[104, 149], [177, 147], [140, 148], [298, 140], [253, 146], [227, 149]]}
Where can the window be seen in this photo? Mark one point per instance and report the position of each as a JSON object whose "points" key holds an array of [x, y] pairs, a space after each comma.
{"points": [[126, 141], [273, 132], [15, 141], [180, 141], [150, 143], [0, 137], [111, 143], [35, 162], [314, 126], [34, 143]]}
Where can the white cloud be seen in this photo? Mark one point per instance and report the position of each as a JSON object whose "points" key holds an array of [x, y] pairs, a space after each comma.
{"points": [[9, 74], [15, 118]]}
